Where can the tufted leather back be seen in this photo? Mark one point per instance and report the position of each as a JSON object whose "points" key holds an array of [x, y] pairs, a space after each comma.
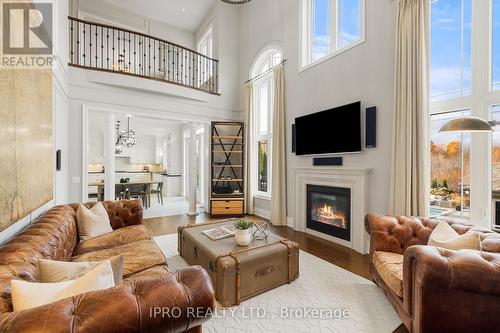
{"points": [[396, 233], [121, 213], [53, 236]]}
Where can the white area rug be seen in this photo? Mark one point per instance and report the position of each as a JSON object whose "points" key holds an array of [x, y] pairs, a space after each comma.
{"points": [[321, 287]]}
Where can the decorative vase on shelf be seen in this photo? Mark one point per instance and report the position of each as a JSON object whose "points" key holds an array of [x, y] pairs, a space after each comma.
{"points": [[243, 233]]}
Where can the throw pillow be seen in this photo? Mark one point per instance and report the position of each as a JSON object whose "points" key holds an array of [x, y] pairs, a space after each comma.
{"points": [[92, 222], [444, 236], [27, 295], [58, 271]]}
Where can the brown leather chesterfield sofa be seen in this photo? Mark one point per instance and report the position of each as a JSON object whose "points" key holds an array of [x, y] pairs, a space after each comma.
{"points": [[125, 308], [433, 289]]}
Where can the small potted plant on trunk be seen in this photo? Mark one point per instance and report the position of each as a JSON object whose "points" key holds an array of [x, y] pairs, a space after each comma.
{"points": [[243, 232]]}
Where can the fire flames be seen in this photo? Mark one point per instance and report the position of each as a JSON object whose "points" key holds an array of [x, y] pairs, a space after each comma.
{"points": [[327, 214]]}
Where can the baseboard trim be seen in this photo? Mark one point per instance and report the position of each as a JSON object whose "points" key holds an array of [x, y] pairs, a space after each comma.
{"points": [[265, 214]]}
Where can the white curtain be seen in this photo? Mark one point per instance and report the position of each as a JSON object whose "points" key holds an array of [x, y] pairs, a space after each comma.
{"points": [[278, 168], [410, 152], [248, 147]]}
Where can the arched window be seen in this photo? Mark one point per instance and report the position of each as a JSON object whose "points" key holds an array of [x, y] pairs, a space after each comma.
{"points": [[262, 129]]}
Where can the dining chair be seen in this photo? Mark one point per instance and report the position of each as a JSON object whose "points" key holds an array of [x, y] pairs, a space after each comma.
{"points": [[139, 191], [159, 193], [120, 192]]}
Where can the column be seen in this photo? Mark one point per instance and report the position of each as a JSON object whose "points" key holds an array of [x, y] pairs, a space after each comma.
{"points": [[109, 157], [192, 171]]}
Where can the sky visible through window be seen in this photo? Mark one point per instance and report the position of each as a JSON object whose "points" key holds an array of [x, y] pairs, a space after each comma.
{"points": [[496, 45], [348, 24], [450, 49]]}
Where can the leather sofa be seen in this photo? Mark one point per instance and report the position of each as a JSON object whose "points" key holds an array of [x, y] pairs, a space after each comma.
{"points": [[434, 289], [129, 307]]}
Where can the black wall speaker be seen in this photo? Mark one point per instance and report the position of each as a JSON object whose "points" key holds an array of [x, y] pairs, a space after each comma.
{"points": [[371, 127], [294, 139], [58, 160], [322, 161]]}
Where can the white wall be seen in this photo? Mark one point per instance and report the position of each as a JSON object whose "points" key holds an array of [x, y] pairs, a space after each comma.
{"points": [[104, 12], [363, 73], [60, 119]]}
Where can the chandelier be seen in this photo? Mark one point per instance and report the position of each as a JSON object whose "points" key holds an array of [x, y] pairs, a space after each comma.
{"points": [[125, 138], [236, 2]]}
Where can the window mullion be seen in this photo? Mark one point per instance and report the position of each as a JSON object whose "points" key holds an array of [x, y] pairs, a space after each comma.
{"points": [[333, 21]]}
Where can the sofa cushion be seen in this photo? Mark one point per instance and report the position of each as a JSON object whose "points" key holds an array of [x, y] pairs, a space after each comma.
{"points": [[92, 222], [147, 273], [50, 271], [390, 268], [118, 237], [444, 236], [137, 256], [27, 295]]}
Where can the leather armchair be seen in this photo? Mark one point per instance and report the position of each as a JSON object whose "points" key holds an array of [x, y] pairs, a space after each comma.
{"points": [[443, 290]]}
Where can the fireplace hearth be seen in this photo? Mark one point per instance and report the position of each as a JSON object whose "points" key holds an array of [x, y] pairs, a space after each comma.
{"points": [[329, 210]]}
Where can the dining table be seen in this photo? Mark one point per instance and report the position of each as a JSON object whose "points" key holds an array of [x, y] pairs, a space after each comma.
{"points": [[149, 186]]}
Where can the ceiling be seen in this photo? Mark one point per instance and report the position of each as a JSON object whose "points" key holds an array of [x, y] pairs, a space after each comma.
{"points": [[184, 14]]}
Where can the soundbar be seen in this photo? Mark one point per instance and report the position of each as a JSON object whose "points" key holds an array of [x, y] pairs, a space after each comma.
{"points": [[324, 161]]}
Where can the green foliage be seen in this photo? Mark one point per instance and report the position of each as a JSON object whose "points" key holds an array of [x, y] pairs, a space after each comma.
{"points": [[262, 161], [435, 183], [445, 183], [243, 224]]}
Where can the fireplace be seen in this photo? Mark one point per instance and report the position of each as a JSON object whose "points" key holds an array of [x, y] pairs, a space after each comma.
{"points": [[329, 210]]}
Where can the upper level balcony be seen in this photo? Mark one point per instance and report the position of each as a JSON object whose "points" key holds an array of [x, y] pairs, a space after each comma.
{"points": [[101, 47]]}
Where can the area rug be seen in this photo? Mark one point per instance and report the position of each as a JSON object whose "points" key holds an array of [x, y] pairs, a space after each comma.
{"points": [[325, 298]]}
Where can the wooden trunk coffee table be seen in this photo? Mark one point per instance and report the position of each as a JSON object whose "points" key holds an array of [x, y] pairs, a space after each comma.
{"points": [[239, 273]]}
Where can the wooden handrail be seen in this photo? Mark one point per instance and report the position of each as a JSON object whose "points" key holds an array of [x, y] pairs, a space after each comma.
{"points": [[103, 47]]}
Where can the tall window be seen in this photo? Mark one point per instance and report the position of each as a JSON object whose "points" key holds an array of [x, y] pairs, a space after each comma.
{"points": [[328, 26], [451, 49], [450, 168], [262, 131], [464, 78]]}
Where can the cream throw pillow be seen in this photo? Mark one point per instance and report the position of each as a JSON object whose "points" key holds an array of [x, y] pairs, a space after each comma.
{"points": [[27, 295], [58, 271], [92, 222], [444, 236]]}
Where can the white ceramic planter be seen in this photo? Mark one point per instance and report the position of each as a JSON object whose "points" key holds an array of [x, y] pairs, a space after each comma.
{"points": [[243, 237]]}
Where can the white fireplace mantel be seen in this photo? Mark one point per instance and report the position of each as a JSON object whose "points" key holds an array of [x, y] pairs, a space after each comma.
{"points": [[355, 179]]}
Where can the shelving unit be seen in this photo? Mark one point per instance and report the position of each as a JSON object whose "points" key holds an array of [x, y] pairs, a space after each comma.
{"points": [[228, 165]]}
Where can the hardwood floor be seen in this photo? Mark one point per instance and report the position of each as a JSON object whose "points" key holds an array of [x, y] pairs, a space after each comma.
{"points": [[331, 252]]}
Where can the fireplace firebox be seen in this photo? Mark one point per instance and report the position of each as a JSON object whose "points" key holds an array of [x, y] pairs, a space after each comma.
{"points": [[329, 210]]}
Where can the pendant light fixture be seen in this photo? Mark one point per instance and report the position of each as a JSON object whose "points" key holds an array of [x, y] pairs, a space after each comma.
{"points": [[128, 137]]}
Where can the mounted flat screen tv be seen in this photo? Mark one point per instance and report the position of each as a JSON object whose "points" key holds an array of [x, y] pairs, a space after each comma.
{"points": [[334, 131]]}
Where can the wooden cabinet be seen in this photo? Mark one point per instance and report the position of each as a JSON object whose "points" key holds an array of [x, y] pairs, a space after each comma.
{"points": [[228, 169]]}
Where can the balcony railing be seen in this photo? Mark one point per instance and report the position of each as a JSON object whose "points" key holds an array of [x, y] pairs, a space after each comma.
{"points": [[106, 48]]}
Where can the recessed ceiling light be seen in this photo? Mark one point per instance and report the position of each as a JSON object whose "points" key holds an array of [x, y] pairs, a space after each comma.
{"points": [[183, 9]]}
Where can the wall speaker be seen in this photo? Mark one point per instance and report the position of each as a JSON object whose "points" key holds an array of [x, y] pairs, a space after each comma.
{"points": [[294, 139], [371, 127], [323, 161], [58, 160]]}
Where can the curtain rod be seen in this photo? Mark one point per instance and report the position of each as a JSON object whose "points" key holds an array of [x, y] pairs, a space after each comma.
{"points": [[264, 73]]}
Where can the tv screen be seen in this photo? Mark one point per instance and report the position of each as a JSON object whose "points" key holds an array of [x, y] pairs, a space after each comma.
{"points": [[333, 131]]}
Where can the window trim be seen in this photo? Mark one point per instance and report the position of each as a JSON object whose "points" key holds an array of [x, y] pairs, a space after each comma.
{"points": [[266, 54], [306, 33], [203, 38], [266, 79]]}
